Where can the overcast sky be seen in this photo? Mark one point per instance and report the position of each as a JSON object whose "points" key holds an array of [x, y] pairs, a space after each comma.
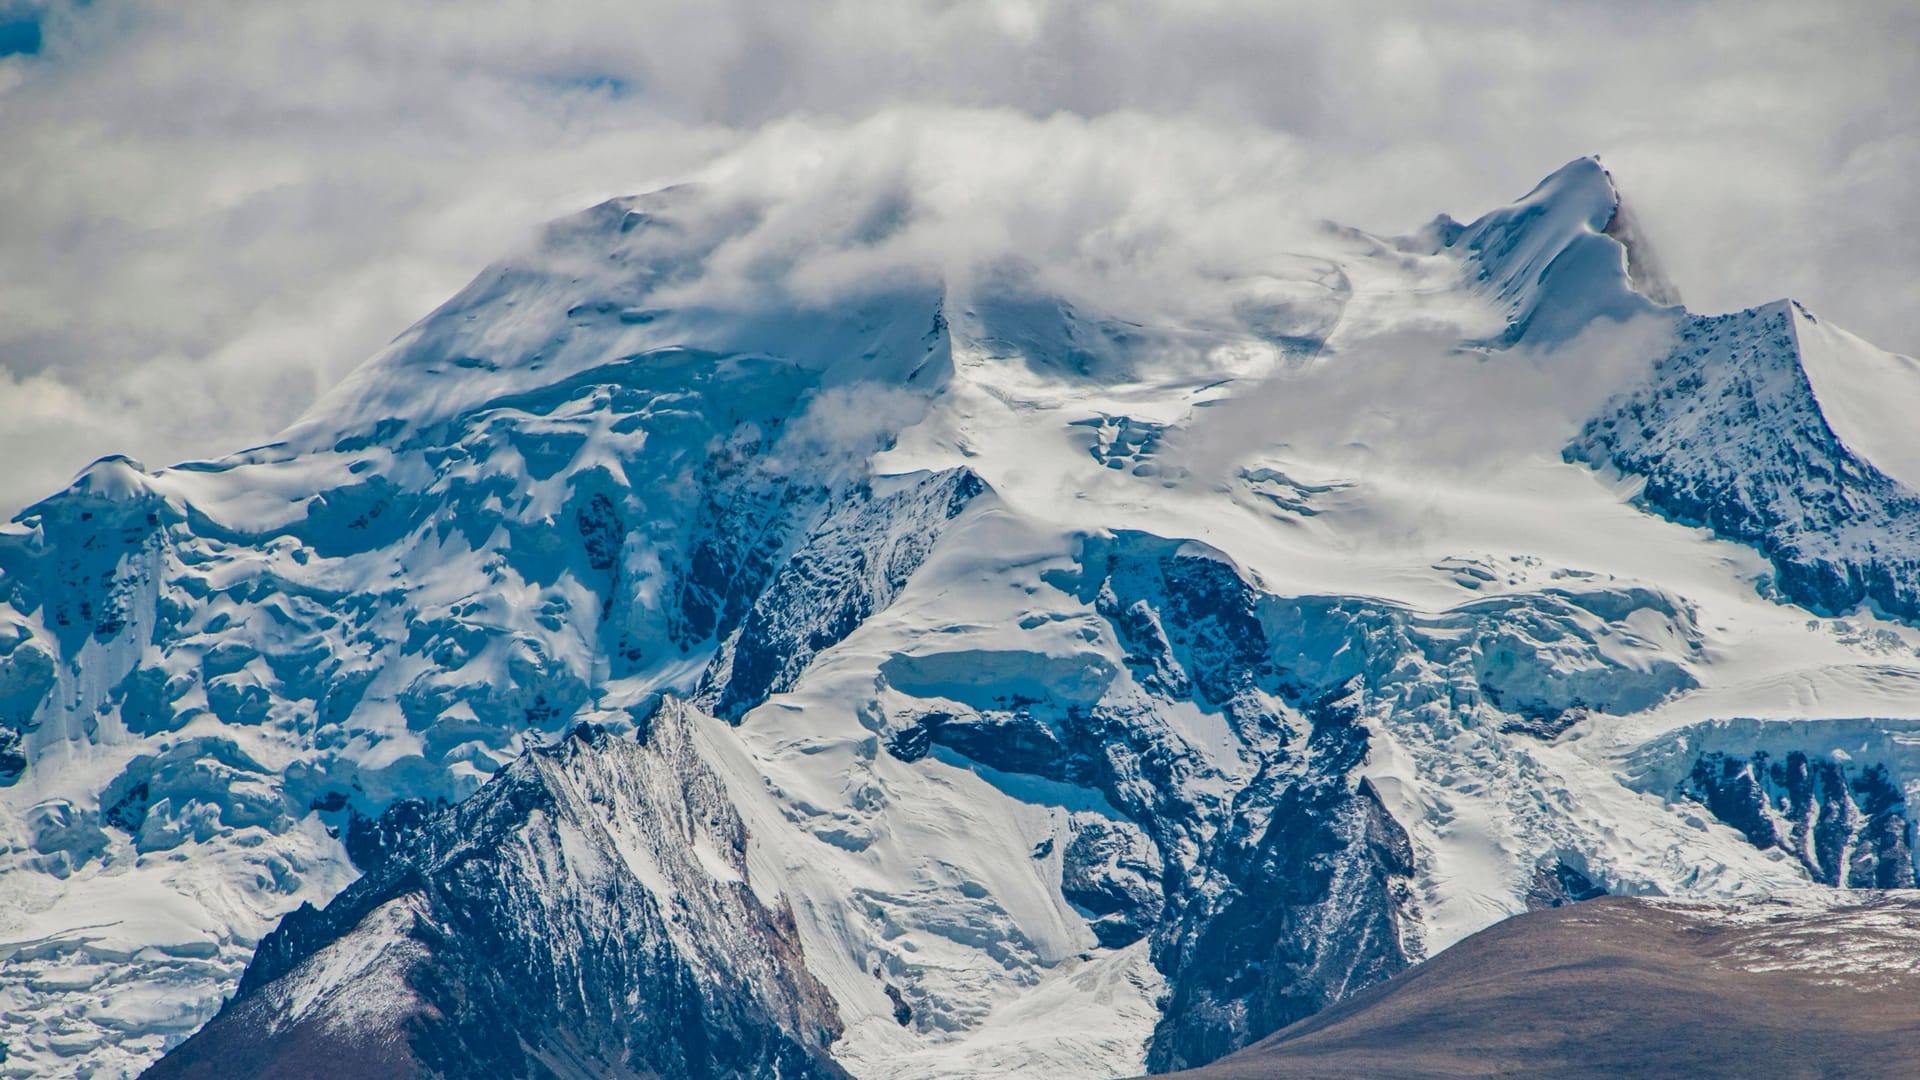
{"points": [[209, 212]]}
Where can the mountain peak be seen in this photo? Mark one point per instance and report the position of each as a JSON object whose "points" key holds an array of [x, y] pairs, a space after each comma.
{"points": [[609, 871], [1563, 255], [1582, 186]]}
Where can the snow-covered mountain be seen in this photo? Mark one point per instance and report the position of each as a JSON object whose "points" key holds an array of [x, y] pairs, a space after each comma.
{"points": [[977, 680]]}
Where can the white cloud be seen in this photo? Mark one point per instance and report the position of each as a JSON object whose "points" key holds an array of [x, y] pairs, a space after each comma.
{"points": [[208, 212]]}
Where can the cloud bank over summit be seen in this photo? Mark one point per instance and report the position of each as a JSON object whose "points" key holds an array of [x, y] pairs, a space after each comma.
{"points": [[210, 214]]}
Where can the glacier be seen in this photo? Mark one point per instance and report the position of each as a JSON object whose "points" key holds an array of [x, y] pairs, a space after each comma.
{"points": [[956, 678]]}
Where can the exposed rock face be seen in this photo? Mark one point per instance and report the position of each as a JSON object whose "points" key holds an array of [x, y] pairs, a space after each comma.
{"points": [[1555, 884], [852, 564], [1644, 271], [585, 914], [26, 679], [1312, 910], [1286, 883], [1112, 871], [1847, 825], [1728, 434], [1833, 795]]}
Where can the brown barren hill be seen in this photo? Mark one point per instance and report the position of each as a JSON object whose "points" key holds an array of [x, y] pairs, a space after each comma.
{"points": [[1625, 987]]}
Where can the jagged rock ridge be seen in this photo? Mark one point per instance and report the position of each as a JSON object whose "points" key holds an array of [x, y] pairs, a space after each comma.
{"points": [[586, 913]]}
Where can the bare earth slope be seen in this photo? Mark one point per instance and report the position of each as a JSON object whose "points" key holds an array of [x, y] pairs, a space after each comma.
{"points": [[1624, 987]]}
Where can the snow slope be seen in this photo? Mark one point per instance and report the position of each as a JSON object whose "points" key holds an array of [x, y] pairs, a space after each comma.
{"points": [[1175, 677], [1865, 393]]}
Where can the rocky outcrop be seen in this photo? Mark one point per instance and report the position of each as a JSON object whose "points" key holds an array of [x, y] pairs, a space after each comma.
{"points": [[1284, 882], [1848, 825], [1832, 795], [853, 563], [1727, 434], [1302, 913], [585, 914]]}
